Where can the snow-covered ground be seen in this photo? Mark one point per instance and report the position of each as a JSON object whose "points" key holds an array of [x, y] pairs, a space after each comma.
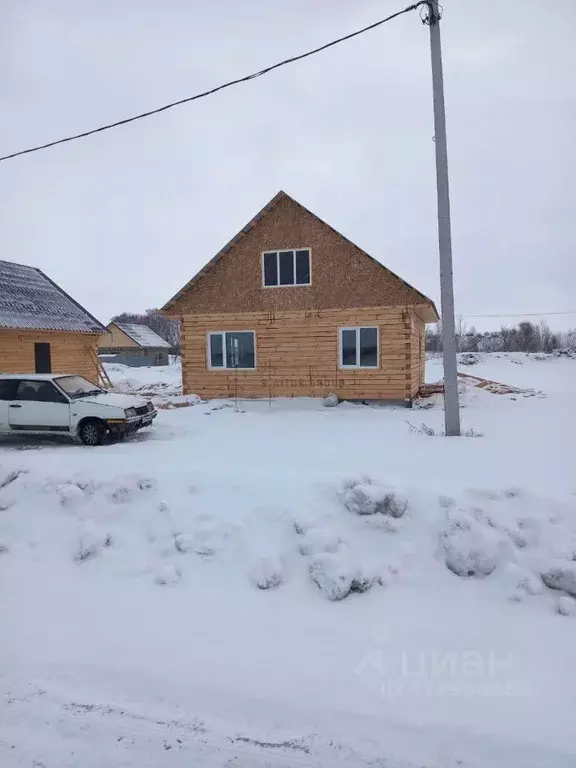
{"points": [[163, 382], [137, 629]]}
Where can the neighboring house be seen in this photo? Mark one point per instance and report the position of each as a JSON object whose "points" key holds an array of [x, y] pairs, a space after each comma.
{"points": [[290, 307], [133, 344], [42, 329]]}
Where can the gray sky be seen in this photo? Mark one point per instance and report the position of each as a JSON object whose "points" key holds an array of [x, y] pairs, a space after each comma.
{"points": [[122, 220]]}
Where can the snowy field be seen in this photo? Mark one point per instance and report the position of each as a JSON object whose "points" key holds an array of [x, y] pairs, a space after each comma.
{"points": [[284, 584]]}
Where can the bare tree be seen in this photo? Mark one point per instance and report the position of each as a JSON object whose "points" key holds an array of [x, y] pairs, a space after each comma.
{"points": [[528, 337]]}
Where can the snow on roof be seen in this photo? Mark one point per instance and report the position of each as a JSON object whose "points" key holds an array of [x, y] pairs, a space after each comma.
{"points": [[142, 335], [30, 300]]}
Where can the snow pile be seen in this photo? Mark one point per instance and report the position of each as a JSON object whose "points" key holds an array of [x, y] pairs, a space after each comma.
{"points": [[361, 533], [159, 381], [562, 576], [364, 498], [471, 549]]}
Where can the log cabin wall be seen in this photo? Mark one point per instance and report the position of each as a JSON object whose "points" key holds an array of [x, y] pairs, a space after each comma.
{"points": [[297, 354], [69, 352]]}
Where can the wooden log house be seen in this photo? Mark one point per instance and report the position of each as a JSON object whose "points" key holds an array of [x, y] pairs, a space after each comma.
{"points": [[290, 307], [133, 344], [42, 329]]}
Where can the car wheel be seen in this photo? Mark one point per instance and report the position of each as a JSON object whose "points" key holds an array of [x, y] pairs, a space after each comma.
{"points": [[92, 433]]}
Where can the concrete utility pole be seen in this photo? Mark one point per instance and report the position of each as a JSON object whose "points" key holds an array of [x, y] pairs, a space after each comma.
{"points": [[451, 407]]}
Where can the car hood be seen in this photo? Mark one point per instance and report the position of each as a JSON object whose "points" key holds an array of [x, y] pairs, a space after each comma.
{"points": [[115, 399]]}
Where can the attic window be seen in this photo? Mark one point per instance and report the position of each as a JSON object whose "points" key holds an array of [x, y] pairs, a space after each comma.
{"points": [[281, 268]]}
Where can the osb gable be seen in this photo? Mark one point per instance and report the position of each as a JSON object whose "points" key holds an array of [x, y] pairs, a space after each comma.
{"points": [[343, 276]]}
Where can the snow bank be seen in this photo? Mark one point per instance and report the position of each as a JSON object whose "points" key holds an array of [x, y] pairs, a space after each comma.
{"points": [[362, 498], [471, 549], [224, 564], [159, 381], [561, 576]]}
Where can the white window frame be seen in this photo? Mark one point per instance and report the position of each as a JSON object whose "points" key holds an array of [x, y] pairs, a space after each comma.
{"points": [[277, 252], [357, 366], [225, 366]]}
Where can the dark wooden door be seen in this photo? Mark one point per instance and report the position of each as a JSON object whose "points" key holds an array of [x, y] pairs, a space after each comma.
{"points": [[42, 357]]}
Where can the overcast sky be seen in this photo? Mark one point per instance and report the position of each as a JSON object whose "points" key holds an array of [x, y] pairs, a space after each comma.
{"points": [[123, 219]]}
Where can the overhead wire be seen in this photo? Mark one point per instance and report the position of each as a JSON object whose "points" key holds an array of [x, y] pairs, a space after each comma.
{"points": [[211, 91], [524, 314]]}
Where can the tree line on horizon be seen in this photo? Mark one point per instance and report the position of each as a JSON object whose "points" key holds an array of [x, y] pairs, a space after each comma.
{"points": [[523, 337]]}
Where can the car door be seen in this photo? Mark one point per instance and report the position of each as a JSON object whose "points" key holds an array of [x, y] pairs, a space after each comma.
{"points": [[38, 407], [7, 390]]}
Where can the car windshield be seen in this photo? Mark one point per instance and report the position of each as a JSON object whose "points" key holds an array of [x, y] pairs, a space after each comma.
{"points": [[77, 386]]}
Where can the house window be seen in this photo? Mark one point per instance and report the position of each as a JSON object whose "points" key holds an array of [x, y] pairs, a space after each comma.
{"points": [[359, 347], [286, 267], [232, 349]]}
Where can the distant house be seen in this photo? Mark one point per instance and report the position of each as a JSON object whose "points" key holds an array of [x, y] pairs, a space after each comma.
{"points": [[290, 307], [133, 344], [42, 328]]}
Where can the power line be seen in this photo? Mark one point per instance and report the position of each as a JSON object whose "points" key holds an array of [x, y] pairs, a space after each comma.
{"points": [[524, 314], [244, 79]]}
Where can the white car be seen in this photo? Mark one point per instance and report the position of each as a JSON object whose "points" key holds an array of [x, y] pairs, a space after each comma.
{"points": [[45, 403]]}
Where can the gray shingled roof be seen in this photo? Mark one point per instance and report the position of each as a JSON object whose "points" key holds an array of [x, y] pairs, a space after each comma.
{"points": [[29, 300], [142, 335]]}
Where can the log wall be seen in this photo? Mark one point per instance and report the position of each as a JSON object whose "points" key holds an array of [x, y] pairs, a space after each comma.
{"points": [[297, 354], [69, 352], [418, 359]]}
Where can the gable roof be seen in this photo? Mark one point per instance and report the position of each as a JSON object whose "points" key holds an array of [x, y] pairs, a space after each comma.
{"points": [[142, 335], [281, 195], [29, 300]]}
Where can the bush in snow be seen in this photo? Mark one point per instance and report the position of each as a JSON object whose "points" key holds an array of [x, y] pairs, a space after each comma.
{"points": [[3, 547], [166, 575], [129, 486], [11, 477], [521, 581], [315, 542], [87, 485], [90, 544], [267, 573], [331, 575], [527, 533], [184, 542], [299, 528], [204, 550], [423, 429], [336, 577], [468, 358], [368, 499], [330, 400], [470, 550], [561, 576], [70, 494], [86, 549], [146, 483], [566, 605]]}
